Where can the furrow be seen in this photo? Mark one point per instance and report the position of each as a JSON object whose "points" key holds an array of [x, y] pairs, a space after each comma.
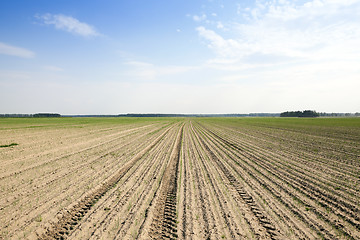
{"points": [[164, 220], [71, 217], [270, 230], [313, 194]]}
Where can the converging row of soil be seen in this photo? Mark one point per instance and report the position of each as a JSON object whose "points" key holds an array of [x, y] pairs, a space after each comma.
{"points": [[180, 179]]}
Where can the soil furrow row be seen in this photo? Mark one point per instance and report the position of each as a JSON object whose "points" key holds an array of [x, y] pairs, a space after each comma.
{"points": [[164, 221], [270, 231], [72, 216], [53, 198], [298, 161], [312, 224], [136, 194], [320, 196]]}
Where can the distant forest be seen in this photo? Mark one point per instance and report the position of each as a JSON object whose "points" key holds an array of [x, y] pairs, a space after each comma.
{"points": [[310, 113], [36, 115], [39, 115], [306, 113]]}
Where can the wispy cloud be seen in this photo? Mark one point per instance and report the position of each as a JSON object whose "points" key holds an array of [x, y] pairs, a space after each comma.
{"points": [[219, 25], [200, 18], [15, 51], [68, 24], [296, 53], [316, 30], [221, 46]]}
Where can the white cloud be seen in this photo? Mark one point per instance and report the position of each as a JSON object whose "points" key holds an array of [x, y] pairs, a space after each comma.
{"points": [[289, 54], [315, 30], [220, 25], [199, 18], [15, 51], [221, 46], [69, 24], [311, 9]]}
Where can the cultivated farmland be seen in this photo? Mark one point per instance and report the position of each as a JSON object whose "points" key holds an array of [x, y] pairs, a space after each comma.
{"points": [[178, 178]]}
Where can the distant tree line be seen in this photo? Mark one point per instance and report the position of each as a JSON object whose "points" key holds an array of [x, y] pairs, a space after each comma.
{"points": [[15, 115], [324, 114], [36, 115], [46, 115], [306, 113]]}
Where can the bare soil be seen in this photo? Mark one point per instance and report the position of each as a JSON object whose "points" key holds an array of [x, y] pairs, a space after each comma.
{"points": [[179, 179]]}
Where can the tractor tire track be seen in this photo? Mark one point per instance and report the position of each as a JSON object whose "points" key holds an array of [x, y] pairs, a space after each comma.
{"points": [[270, 231], [309, 191], [164, 220], [71, 217]]}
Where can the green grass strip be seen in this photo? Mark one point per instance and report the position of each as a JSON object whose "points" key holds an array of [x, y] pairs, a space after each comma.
{"points": [[8, 145]]}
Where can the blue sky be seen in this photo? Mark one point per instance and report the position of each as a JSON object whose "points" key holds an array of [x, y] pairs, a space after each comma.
{"points": [[209, 56]]}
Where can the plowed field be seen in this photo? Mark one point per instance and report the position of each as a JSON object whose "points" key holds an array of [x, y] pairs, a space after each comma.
{"points": [[176, 178]]}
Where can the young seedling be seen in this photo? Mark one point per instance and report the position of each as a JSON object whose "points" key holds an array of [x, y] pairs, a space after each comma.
{"points": [[8, 145]]}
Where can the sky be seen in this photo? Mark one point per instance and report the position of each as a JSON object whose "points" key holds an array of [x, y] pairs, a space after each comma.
{"points": [[179, 56]]}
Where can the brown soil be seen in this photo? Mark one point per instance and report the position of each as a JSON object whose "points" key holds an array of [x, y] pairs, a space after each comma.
{"points": [[188, 179]]}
